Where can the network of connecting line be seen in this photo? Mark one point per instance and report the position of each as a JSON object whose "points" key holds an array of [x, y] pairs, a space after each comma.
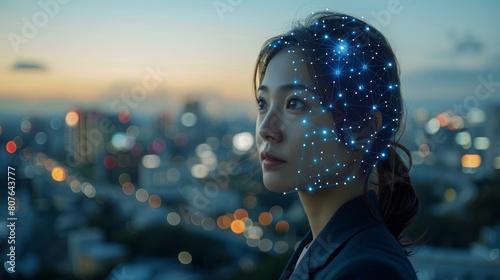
{"points": [[360, 81]]}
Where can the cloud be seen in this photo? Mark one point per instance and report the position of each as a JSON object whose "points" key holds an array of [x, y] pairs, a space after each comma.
{"points": [[466, 43], [28, 66]]}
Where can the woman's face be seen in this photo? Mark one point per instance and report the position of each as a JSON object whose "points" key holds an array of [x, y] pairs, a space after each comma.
{"points": [[295, 136]]}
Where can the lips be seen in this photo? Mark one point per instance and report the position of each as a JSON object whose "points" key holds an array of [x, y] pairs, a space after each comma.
{"points": [[271, 161]]}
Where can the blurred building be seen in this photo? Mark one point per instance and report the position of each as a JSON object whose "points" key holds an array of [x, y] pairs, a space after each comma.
{"points": [[433, 263], [492, 140], [90, 255], [84, 137]]}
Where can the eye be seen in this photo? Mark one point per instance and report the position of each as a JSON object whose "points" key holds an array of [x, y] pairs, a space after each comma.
{"points": [[261, 103], [296, 104]]}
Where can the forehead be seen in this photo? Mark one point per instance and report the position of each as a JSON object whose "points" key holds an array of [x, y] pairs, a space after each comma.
{"points": [[287, 67]]}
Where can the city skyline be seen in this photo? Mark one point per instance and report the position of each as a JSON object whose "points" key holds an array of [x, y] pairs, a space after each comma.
{"points": [[85, 52]]}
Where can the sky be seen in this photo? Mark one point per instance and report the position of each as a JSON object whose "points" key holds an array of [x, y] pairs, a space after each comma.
{"points": [[72, 51]]}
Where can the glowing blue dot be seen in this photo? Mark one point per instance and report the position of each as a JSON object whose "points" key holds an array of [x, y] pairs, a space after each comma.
{"points": [[340, 94], [390, 64], [337, 72], [390, 87], [324, 131], [383, 155], [374, 107], [310, 189], [367, 28], [303, 121], [326, 36], [360, 87], [365, 67]]}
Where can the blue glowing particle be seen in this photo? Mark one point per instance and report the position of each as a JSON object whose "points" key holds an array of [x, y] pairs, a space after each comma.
{"points": [[389, 64], [303, 121], [365, 67], [324, 131]]}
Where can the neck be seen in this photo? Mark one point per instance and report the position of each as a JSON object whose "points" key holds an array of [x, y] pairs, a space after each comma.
{"points": [[320, 205]]}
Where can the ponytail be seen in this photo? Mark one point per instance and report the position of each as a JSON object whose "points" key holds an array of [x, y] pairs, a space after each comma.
{"points": [[398, 200]]}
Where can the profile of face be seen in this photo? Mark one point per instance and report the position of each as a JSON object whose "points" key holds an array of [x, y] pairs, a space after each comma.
{"points": [[296, 138]]}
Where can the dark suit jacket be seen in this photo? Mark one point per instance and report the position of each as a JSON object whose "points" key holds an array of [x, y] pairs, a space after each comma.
{"points": [[354, 244]]}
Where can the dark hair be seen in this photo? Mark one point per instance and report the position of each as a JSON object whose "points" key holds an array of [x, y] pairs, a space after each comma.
{"points": [[357, 74]]}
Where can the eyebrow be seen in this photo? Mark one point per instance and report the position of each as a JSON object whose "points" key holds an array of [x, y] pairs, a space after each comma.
{"points": [[287, 87]]}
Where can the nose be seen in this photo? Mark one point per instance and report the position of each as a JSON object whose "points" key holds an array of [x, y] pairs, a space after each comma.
{"points": [[271, 127]]}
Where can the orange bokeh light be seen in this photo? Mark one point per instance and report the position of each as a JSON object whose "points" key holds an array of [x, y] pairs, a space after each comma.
{"points": [[238, 226], [11, 147], [282, 226], [443, 119], [265, 218], [72, 118], [224, 222], [58, 174], [240, 214], [128, 188], [154, 201], [471, 161]]}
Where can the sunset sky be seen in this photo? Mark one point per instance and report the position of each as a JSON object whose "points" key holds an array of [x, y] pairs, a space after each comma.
{"points": [[84, 50]]}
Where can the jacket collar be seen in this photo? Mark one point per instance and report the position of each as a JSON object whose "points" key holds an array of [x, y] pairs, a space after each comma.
{"points": [[351, 218]]}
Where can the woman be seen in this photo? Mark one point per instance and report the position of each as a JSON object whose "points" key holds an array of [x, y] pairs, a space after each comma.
{"points": [[329, 100]]}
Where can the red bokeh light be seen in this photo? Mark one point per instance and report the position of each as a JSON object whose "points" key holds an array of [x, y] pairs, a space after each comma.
{"points": [[11, 147], [124, 116], [109, 162]]}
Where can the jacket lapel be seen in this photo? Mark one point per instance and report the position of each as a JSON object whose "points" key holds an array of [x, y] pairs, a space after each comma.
{"points": [[353, 217]]}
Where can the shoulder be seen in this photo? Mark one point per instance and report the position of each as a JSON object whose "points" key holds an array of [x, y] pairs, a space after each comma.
{"points": [[374, 254], [371, 267]]}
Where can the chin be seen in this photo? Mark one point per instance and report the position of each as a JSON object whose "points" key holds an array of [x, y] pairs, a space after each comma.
{"points": [[276, 185]]}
